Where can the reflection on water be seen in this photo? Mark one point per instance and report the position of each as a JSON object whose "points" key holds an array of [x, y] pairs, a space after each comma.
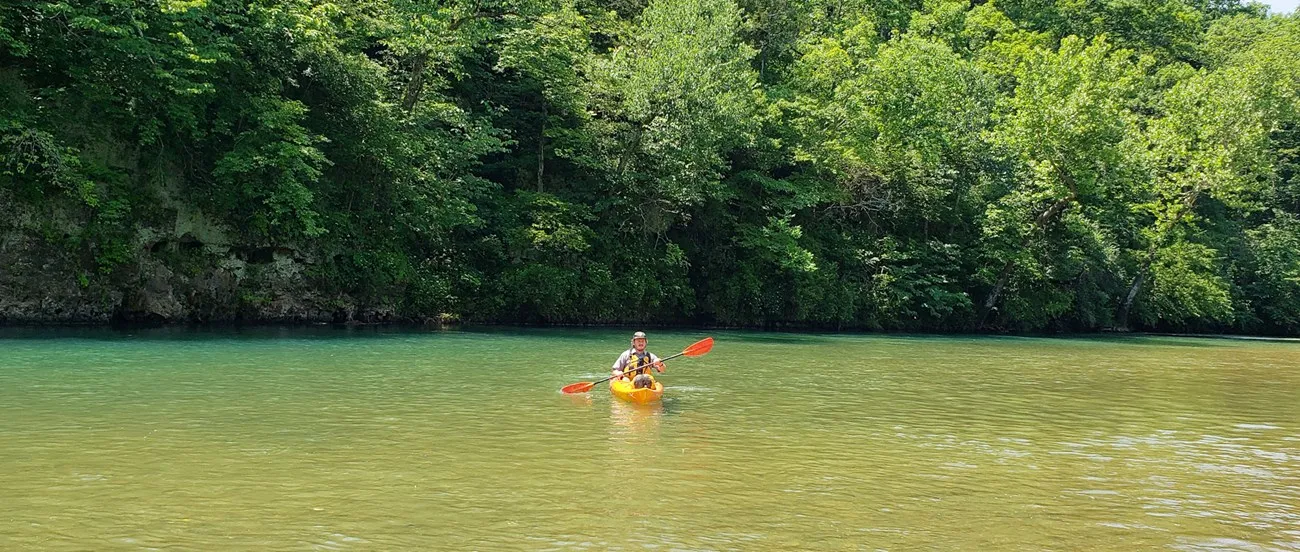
{"points": [[395, 440], [578, 399], [628, 420]]}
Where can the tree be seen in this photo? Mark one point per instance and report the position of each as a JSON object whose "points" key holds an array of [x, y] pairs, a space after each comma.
{"points": [[1069, 127], [1213, 141], [677, 94]]}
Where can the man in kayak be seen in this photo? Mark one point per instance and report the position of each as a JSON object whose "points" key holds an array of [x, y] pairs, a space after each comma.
{"points": [[637, 361]]}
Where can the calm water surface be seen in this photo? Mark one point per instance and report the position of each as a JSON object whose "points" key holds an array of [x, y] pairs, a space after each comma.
{"points": [[402, 440]]}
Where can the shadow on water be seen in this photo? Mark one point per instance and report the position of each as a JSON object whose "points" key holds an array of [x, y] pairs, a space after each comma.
{"points": [[196, 333], [617, 336], [1142, 340], [669, 337], [776, 338], [1133, 340]]}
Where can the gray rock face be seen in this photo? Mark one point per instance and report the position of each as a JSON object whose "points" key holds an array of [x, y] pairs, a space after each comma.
{"points": [[40, 284], [175, 264], [189, 272], [154, 299]]}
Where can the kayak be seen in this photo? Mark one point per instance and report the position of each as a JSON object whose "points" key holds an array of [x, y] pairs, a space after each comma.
{"points": [[622, 389]]}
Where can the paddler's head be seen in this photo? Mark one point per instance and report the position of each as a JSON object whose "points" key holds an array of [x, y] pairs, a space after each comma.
{"points": [[638, 341]]}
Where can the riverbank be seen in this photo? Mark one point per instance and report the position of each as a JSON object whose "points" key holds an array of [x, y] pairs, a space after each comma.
{"points": [[452, 323]]}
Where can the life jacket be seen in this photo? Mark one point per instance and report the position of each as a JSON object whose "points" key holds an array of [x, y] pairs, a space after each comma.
{"points": [[638, 363]]}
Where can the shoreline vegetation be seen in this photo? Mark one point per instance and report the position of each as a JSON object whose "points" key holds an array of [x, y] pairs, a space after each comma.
{"points": [[13, 330], [922, 166]]}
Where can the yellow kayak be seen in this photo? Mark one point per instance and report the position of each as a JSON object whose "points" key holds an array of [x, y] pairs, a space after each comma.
{"points": [[622, 389]]}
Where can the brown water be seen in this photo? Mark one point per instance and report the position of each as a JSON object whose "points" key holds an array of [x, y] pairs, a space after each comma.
{"points": [[393, 440]]}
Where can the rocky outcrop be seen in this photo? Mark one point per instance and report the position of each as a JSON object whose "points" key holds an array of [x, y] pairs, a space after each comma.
{"points": [[190, 270], [42, 282], [40, 285]]}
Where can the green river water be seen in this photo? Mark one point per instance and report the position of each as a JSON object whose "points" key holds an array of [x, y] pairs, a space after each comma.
{"points": [[329, 439]]}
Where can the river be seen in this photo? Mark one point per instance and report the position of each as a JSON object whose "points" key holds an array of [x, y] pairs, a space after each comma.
{"points": [[365, 439]]}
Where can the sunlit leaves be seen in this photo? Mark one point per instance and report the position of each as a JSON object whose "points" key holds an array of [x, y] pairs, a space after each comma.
{"points": [[1186, 286], [884, 164], [685, 87]]}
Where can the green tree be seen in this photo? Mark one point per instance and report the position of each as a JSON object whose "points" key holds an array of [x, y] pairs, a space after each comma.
{"points": [[1213, 142], [1070, 128]]}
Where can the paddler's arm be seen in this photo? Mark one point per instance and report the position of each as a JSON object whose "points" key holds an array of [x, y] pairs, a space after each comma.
{"points": [[619, 365]]}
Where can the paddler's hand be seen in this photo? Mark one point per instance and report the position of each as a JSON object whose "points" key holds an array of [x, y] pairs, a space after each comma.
{"points": [[659, 366], [618, 374]]}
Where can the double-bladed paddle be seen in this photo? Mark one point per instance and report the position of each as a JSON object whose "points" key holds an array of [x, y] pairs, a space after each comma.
{"points": [[696, 349]]}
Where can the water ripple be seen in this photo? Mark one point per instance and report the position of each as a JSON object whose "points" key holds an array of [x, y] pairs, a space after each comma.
{"points": [[311, 440]]}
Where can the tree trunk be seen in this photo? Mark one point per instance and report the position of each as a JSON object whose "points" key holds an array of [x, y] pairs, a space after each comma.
{"points": [[996, 292], [635, 145], [411, 95], [541, 150], [1122, 321], [1189, 201], [415, 86], [1005, 276]]}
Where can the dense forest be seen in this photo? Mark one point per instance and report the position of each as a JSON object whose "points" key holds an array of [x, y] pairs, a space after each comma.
{"points": [[938, 165]]}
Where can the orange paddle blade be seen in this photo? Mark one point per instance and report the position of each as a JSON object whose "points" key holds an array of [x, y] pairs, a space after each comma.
{"points": [[699, 347], [580, 387]]}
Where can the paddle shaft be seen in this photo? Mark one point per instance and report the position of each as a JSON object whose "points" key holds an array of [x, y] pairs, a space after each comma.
{"points": [[647, 366], [696, 349]]}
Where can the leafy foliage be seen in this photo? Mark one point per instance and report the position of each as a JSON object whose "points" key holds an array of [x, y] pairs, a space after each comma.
{"points": [[907, 164]]}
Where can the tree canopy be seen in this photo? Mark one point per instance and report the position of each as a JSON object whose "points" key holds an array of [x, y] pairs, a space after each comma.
{"points": [[904, 165]]}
